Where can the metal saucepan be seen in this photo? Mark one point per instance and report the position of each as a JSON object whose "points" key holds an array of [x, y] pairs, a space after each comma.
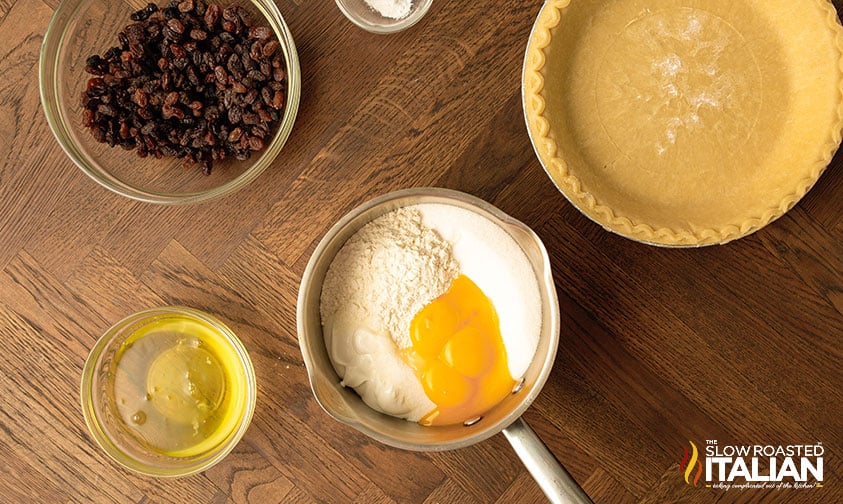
{"points": [[347, 407]]}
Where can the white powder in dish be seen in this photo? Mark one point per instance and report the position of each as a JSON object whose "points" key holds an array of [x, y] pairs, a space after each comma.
{"points": [[490, 257], [393, 9]]}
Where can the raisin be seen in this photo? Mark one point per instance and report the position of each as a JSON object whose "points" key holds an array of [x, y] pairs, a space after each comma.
{"points": [[270, 47], [255, 143], [212, 16], [189, 80], [141, 98], [176, 25], [260, 32]]}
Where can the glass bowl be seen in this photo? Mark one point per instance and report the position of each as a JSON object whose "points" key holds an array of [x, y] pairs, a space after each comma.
{"points": [[168, 392], [81, 28], [363, 15]]}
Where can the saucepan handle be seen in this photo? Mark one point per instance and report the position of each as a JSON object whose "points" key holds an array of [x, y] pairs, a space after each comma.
{"points": [[553, 479]]}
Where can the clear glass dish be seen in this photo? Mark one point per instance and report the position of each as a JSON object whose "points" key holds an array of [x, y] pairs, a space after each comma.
{"points": [[168, 392], [364, 16], [81, 28]]}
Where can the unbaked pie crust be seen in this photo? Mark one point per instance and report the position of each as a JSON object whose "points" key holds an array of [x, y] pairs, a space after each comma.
{"points": [[684, 122]]}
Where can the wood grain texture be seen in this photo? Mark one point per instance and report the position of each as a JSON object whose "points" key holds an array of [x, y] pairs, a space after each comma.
{"points": [[740, 343]]}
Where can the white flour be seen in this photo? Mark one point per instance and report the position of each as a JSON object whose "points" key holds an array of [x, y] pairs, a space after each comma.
{"points": [[388, 271], [393, 9]]}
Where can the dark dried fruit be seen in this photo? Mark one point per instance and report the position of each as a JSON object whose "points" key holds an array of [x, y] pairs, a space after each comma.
{"points": [[189, 80], [255, 143], [141, 98], [235, 135], [267, 94], [135, 33], [260, 32], [95, 83], [171, 98], [230, 13], [89, 118], [270, 48], [144, 13], [278, 100], [235, 114], [169, 111], [212, 16], [250, 97], [256, 75], [229, 26], [176, 25], [219, 73], [95, 65]]}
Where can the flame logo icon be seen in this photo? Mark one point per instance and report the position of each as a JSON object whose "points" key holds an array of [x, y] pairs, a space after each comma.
{"points": [[689, 463]]}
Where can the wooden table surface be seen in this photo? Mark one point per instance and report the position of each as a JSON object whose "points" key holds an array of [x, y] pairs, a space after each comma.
{"points": [[740, 343]]}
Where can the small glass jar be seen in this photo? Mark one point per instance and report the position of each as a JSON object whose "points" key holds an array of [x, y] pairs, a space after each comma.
{"points": [[363, 15]]}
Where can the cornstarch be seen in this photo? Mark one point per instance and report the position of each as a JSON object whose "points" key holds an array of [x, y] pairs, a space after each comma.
{"points": [[394, 9]]}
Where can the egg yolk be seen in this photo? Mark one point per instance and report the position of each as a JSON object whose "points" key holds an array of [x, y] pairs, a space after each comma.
{"points": [[458, 354]]}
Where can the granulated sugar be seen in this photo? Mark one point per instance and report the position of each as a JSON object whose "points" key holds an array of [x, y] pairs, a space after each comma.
{"points": [[495, 262]]}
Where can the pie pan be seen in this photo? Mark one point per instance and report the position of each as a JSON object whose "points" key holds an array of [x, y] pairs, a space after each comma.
{"points": [[684, 122]]}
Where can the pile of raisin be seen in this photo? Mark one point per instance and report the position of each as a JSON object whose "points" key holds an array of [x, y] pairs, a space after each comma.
{"points": [[192, 80]]}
